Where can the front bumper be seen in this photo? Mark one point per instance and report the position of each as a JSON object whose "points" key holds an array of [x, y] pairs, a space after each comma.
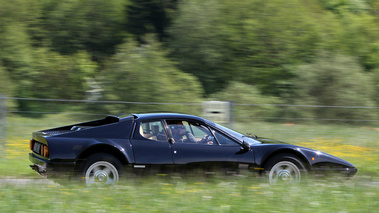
{"points": [[47, 168]]}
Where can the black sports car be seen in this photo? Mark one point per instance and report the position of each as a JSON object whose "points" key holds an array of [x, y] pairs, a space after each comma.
{"points": [[104, 150]]}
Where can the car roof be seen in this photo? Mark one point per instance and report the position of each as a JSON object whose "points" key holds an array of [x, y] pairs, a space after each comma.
{"points": [[166, 116], [125, 116]]}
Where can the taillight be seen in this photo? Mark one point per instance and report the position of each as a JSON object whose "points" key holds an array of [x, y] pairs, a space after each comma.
{"points": [[31, 144], [45, 151]]}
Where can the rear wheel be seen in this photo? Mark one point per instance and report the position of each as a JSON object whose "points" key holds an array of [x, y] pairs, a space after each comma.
{"points": [[102, 169], [285, 168]]}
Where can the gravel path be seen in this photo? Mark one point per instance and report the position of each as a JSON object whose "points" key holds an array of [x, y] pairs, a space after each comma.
{"points": [[17, 181]]}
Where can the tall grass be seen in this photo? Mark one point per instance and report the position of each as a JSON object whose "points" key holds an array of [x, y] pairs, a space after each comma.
{"points": [[233, 194]]}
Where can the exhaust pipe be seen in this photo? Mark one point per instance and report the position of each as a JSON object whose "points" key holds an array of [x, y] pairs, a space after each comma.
{"points": [[37, 169]]}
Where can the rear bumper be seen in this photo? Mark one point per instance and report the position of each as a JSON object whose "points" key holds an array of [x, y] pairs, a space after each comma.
{"points": [[47, 168]]}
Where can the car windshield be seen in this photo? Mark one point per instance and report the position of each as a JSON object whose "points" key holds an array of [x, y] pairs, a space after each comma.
{"points": [[237, 135]]}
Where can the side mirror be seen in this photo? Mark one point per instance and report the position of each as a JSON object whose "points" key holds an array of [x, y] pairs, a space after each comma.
{"points": [[245, 146]]}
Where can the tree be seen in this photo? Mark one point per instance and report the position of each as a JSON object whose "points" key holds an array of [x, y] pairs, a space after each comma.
{"points": [[248, 41], [149, 16], [145, 74], [51, 75], [16, 50], [272, 38], [341, 7], [68, 26], [352, 28], [376, 86], [197, 43], [6, 85], [333, 80]]}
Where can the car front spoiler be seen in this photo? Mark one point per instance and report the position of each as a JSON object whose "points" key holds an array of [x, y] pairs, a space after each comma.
{"points": [[347, 171]]}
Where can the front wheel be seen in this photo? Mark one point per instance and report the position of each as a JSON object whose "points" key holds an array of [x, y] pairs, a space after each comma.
{"points": [[285, 168], [102, 169]]}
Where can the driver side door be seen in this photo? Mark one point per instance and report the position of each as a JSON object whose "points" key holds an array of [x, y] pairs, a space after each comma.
{"points": [[220, 151]]}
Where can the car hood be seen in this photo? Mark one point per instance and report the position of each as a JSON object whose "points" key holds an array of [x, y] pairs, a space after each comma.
{"points": [[318, 155], [269, 141]]}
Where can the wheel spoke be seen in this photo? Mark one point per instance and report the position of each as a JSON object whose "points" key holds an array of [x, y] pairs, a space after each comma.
{"points": [[95, 169], [107, 170], [290, 169]]}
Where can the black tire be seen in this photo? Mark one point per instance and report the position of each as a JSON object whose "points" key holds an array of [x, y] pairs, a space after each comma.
{"points": [[285, 168], [101, 169]]}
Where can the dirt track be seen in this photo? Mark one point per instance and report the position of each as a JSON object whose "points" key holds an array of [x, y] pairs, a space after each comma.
{"points": [[17, 181], [43, 181]]}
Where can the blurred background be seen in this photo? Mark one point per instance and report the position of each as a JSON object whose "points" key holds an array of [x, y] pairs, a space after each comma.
{"points": [[303, 71], [313, 52], [289, 61]]}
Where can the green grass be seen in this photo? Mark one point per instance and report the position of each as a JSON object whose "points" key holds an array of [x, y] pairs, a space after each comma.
{"points": [[357, 144], [234, 194]]}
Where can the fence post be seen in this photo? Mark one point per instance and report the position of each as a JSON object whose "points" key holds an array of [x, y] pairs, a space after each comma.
{"points": [[217, 111], [3, 124]]}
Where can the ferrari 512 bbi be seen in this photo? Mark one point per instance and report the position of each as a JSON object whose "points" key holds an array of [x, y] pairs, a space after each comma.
{"points": [[104, 151]]}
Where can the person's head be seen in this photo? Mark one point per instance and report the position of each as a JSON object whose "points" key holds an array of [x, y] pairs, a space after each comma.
{"points": [[177, 128]]}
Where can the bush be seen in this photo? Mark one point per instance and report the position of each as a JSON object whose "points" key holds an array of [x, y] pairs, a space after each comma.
{"points": [[333, 80], [144, 74]]}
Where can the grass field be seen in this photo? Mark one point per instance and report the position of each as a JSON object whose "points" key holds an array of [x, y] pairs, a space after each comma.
{"points": [[234, 194], [357, 144]]}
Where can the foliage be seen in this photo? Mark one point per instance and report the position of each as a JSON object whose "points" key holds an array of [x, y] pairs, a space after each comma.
{"points": [[342, 7], [255, 42], [143, 74], [64, 76], [253, 46], [5, 83], [15, 48], [375, 78], [358, 37], [197, 43], [334, 80], [70, 26], [291, 38], [259, 43], [149, 16]]}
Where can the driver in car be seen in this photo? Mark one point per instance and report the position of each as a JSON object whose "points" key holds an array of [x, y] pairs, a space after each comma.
{"points": [[178, 131]]}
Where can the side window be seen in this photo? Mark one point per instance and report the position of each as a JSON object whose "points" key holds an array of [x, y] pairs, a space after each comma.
{"points": [[223, 140], [199, 131], [190, 132], [152, 130]]}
